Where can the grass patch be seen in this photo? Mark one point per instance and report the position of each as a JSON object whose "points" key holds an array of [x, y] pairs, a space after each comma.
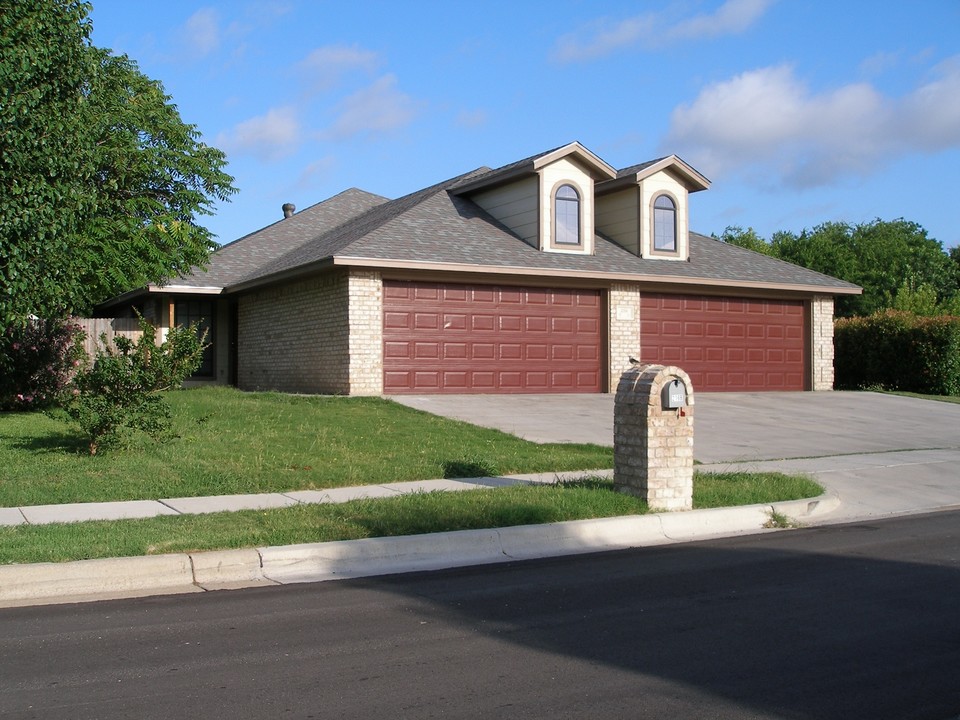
{"points": [[405, 515], [729, 489], [939, 398], [228, 442]]}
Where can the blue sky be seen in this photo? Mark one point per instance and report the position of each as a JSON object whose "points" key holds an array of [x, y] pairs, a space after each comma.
{"points": [[798, 111]]}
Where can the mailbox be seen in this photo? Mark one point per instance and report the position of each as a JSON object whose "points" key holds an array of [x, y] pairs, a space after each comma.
{"points": [[674, 395]]}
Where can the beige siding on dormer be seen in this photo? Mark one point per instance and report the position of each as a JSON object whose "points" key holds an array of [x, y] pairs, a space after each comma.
{"points": [[618, 218], [663, 182], [553, 175], [515, 205]]}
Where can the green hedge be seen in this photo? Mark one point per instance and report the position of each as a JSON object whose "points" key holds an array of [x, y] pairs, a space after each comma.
{"points": [[898, 351]]}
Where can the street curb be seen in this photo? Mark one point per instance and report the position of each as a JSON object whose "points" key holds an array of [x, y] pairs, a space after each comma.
{"points": [[86, 580]]}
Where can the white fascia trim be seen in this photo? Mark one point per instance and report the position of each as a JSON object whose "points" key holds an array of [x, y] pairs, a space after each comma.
{"points": [[193, 290], [576, 148], [586, 275]]}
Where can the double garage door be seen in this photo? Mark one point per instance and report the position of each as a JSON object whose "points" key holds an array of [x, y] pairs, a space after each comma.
{"points": [[726, 343], [453, 338], [458, 338]]}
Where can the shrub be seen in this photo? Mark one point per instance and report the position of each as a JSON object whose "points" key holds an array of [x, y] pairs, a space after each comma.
{"points": [[899, 351], [122, 389], [37, 362]]}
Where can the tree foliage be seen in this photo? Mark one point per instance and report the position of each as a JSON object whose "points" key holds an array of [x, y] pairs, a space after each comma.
{"points": [[101, 181], [884, 257]]}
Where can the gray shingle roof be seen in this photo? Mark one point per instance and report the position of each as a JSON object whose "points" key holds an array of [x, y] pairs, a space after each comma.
{"points": [[245, 257], [437, 226]]}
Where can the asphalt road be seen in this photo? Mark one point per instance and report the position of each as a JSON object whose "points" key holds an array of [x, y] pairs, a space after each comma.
{"points": [[849, 621]]}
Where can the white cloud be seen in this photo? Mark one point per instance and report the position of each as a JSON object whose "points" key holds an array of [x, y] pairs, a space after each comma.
{"points": [[472, 118], [326, 65], [655, 30], [269, 137], [316, 172], [375, 109], [731, 18], [769, 125], [201, 33]]}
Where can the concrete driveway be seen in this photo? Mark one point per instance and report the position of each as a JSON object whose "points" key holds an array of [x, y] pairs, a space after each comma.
{"points": [[728, 427]]}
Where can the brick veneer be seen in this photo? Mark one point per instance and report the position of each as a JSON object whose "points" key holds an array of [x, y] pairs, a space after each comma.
{"points": [[294, 338], [321, 335], [653, 447], [821, 342], [366, 332], [624, 327]]}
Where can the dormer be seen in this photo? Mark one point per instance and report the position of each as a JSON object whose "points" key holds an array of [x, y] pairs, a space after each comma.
{"points": [[646, 208], [547, 200]]}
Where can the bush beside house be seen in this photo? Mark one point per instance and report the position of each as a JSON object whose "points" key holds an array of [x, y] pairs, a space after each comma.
{"points": [[897, 350]]}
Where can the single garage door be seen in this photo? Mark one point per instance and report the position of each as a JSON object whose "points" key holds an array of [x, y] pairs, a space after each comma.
{"points": [[726, 343], [453, 338]]}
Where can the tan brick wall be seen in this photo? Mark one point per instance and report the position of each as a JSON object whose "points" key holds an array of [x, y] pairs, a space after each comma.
{"points": [[623, 328], [294, 338], [366, 332], [821, 343]]}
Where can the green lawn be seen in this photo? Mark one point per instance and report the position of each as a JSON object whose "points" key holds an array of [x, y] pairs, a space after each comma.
{"points": [[404, 515], [230, 442]]}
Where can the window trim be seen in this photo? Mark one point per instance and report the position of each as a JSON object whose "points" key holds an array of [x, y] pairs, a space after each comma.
{"points": [[555, 206], [654, 250]]}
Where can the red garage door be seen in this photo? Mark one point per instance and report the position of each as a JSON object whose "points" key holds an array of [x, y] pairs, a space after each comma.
{"points": [[726, 343], [448, 338]]}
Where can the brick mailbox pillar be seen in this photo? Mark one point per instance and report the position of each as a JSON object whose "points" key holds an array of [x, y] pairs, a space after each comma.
{"points": [[653, 436]]}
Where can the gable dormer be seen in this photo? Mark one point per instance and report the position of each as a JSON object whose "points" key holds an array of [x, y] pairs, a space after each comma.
{"points": [[646, 208], [547, 200]]}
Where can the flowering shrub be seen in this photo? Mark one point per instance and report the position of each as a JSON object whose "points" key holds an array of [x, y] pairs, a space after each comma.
{"points": [[38, 359], [122, 389]]}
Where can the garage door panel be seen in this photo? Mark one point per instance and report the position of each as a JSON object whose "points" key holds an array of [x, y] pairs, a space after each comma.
{"points": [[455, 351], [396, 320], [726, 343], [496, 339], [483, 351]]}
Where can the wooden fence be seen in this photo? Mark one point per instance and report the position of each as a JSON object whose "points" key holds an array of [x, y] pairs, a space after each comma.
{"points": [[110, 327]]}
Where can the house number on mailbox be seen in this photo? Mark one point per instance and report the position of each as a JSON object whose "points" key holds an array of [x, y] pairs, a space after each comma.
{"points": [[674, 395]]}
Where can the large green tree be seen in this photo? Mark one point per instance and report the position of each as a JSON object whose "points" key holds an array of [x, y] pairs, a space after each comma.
{"points": [[102, 183], [883, 257]]}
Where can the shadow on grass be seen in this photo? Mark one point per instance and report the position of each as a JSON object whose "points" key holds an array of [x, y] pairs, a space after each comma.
{"points": [[49, 443], [469, 469]]}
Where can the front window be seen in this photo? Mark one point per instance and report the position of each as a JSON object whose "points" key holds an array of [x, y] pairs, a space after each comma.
{"points": [[664, 224], [567, 216]]}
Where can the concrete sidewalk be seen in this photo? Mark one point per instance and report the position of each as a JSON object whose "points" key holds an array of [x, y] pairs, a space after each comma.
{"points": [[859, 487], [133, 509]]}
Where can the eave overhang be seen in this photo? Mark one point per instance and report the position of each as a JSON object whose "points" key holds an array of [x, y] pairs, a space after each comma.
{"points": [[690, 176]]}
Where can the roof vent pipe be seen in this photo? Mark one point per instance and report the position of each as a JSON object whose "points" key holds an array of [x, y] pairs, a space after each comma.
{"points": [[289, 209]]}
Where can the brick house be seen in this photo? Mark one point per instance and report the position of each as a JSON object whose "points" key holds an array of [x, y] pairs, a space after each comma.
{"points": [[545, 275]]}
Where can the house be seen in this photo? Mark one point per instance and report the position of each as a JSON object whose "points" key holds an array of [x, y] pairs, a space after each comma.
{"points": [[545, 275]]}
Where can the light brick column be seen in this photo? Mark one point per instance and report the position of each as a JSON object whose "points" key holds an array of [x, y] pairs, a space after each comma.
{"points": [[623, 301], [653, 447], [821, 342], [365, 301]]}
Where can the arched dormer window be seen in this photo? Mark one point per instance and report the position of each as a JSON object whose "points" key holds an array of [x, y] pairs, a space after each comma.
{"points": [[566, 216], [664, 224]]}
